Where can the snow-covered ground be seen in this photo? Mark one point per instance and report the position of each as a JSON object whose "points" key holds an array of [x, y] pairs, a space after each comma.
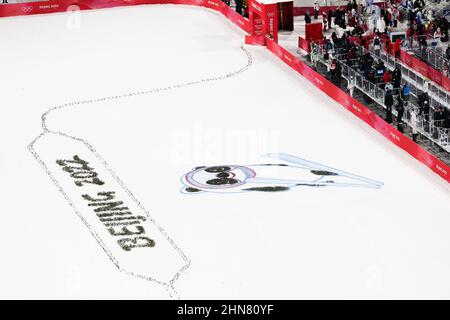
{"points": [[309, 242]]}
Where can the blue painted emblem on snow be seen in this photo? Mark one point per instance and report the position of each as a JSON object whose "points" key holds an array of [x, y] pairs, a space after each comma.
{"points": [[289, 172]]}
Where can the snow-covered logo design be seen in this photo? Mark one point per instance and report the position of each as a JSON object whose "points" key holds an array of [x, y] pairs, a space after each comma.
{"points": [[289, 172]]}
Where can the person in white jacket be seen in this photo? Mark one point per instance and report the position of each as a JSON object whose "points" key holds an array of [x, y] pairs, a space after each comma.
{"points": [[351, 85], [314, 56], [381, 25]]}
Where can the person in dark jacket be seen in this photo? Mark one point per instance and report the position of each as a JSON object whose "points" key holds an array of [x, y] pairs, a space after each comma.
{"points": [[388, 102], [424, 104], [439, 117], [316, 10], [338, 74], [338, 14], [423, 47], [397, 77], [447, 118], [330, 18], [307, 17], [400, 110], [239, 4]]}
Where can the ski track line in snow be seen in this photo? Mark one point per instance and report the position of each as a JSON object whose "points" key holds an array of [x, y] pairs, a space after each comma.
{"points": [[170, 289]]}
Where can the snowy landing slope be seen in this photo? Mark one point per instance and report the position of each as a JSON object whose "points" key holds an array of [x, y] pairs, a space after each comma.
{"points": [[304, 243]]}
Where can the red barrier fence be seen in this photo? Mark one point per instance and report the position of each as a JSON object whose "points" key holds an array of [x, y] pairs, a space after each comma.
{"points": [[304, 44], [31, 8], [425, 69], [318, 80], [361, 111]]}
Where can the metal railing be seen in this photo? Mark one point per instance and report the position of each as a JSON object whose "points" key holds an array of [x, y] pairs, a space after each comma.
{"points": [[439, 97], [424, 123], [433, 55]]}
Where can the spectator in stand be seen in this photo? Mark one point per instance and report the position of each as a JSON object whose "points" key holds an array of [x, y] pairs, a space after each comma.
{"points": [[372, 76], [426, 84], [352, 19], [388, 44], [316, 10], [406, 91], [419, 5], [423, 47], [397, 78], [424, 104], [351, 56], [328, 45], [389, 87], [388, 37], [439, 117], [366, 64], [239, 4], [443, 23], [445, 70], [335, 40], [325, 21], [338, 74], [349, 5], [414, 125], [381, 25], [343, 22], [387, 78], [333, 69], [400, 110], [436, 37], [339, 19], [447, 118], [351, 85], [380, 69], [328, 62], [388, 102], [414, 27], [420, 30], [396, 48], [410, 36], [376, 45], [411, 17], [307, 17], [395, 16], [419, 17], [386, 17], [373, 21], [357, 31], [314, 55], [345, 44], [330, 18], [363, 42]]}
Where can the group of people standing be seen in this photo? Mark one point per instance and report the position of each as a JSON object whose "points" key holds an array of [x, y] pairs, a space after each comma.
{"points": [[342, 16], [354, 54], [241, 5]]}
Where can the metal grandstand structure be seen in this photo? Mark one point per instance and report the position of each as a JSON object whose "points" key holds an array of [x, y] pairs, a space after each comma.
{"points": [[424, 124]]}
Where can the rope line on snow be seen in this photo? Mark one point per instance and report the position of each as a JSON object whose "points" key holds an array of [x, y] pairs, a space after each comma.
{"points": [[169, 286]]}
